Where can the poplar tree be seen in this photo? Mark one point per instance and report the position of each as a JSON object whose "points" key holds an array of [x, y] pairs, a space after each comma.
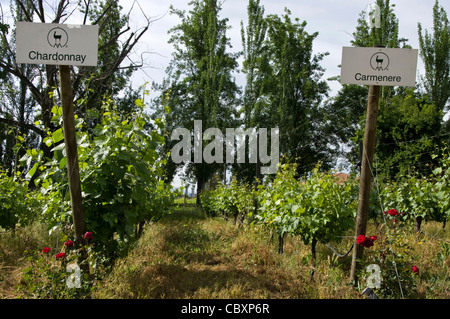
{"points": [[200, 85], [345, 112], [296, 92], [257, 70], [435, 53], [284, 88], [255, 65], [408, 120]]}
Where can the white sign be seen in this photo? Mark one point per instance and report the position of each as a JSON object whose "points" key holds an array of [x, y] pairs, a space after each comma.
{"points": [[379, 66], [59, 44]]}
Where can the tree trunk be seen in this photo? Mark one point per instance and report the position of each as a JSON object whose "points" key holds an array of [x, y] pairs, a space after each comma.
{"points": [[418, 224], [281, 242], [313, 253], [200, 186], [241, 219]]}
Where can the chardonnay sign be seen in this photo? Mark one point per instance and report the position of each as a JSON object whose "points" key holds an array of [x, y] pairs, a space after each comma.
{"points": [[379, 66], [57, 44]]}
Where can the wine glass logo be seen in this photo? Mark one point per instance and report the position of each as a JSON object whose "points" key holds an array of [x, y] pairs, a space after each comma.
{"points": [[57, 38]]}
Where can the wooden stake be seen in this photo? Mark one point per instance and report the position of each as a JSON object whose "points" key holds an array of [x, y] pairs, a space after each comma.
{"points": [[71, 152], [366, 175]]}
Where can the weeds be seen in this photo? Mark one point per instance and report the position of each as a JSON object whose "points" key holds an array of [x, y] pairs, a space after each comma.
{"points": [[189, 255]]}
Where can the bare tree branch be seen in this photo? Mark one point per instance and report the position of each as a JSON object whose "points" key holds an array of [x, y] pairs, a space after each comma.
{"points": [[40, 13], [16, 71], [23, 125], [22, 6], [87, 4], [102, 15], [62, 6]]}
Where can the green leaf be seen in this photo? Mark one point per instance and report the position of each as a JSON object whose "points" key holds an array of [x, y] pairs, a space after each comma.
{"points": [[60, 147], [57, 136], [56, 110], [33, 170], [139, 102], [63, 162]]}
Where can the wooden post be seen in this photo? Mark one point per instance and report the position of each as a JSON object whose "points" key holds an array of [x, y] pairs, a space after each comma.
{"points": [[366, 174], [257, 177], [73, 171]]}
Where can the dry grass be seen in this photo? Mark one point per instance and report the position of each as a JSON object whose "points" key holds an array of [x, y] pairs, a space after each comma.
{"points": [[13, 251], [432, 256], [189, 256]]}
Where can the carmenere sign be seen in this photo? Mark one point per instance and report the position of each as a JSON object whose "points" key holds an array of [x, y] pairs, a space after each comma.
{"points": [[58, 44], [379, 66]]}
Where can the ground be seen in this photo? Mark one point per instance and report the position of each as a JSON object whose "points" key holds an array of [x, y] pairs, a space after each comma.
{"points": [[190, 255]]}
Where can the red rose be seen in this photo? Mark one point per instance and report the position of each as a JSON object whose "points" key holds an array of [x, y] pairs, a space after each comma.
{"points": [[88, 235], [368, 242], [60, 255], [360, 240], [392, 212], [46, 250], [68, 243], [415, 269], [365, 241]]}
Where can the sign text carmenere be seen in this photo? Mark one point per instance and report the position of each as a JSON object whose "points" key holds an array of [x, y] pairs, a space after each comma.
{"points": [[379, 66]]}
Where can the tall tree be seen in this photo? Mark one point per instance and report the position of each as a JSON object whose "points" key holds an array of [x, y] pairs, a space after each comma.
{"points": [[39, 84], [17, 106], [343, 117], [408, 122], [200, 85], [406, 133], [386, 36], [256, 62], [257, 70], [435, 53], [347, 130], [296, 92], [284, 88]]}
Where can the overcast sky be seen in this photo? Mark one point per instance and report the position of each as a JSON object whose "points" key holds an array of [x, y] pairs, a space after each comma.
{"points": [[334, 20]]}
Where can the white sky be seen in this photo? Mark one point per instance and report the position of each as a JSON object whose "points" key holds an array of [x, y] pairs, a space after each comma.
{"points": [[335, 20]]}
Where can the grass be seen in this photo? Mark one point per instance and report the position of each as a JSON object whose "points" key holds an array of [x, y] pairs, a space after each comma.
{"points": [[191, 256], [14, 247], [188, 255]]}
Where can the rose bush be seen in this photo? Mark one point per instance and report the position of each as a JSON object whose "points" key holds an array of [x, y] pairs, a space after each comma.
{"points": [[415, 269], [365, 241], [48, 277]]}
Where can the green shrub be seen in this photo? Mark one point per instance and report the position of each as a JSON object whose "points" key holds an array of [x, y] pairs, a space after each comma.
{"points": [[120, 171], [17, 205], [318, 208]]}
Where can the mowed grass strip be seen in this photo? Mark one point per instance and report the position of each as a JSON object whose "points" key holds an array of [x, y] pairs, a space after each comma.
{"points": [[189, 255]]}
